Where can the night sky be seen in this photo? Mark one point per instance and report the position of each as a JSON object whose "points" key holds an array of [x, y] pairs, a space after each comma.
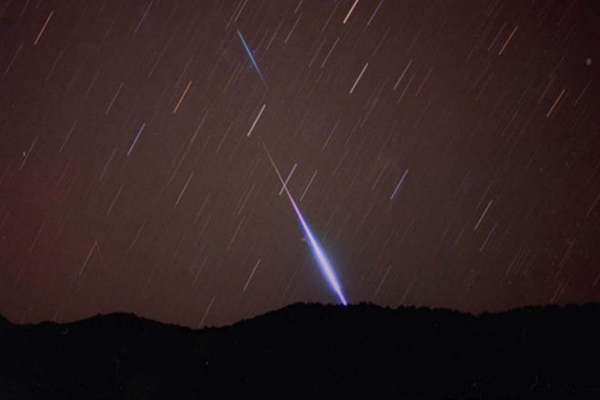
{"points": [[445, 154]]}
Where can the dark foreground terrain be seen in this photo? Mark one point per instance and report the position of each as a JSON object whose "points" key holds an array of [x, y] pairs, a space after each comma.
{"points": [[311, 352]]}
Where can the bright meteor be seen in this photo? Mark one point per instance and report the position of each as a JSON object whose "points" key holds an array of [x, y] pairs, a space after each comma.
{"points": [[251, 56], [322, 260]]}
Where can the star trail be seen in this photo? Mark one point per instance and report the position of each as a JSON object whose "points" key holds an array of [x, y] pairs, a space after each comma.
{"points": [[446, 153]]}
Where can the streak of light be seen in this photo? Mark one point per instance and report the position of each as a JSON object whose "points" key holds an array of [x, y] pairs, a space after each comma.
{"points": [[592, 206], [322, 260], [256, 120], [330, 135], [199, 270], [237, 15], [583, 92], [88, 257], [374, 12], [565, 258], [184, 188], [37, 39], [251, 56], [201, 208], [308, 185], [359, 76], [406, 87], [382, 279], [424, 81], [28, 153], [287, 288], [555, 103], [293, 28], [508, 40], [182, 97], [199, 127], [274, 35], [137, 236], [136, 139], [483, 215], [37, 236], [251, 275], [402, 76], [13, 59], [207, 311], [288, 179], [330, 51], [143, 18], [350, 12], [237, 230], [67, 137], [107, 164], [316, 54], [399, 184], [114, 98], [488, 238], [114, 200], [330, 15]]}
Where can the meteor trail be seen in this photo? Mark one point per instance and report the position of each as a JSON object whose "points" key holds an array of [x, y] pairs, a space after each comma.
{"points": [[322, 260], [251, 56]]}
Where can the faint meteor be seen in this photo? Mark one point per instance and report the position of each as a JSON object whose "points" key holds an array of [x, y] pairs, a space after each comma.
{"points": [[251, 56], [322, 260]]}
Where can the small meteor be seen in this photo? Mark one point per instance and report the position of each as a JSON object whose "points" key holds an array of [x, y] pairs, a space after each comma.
{"points": [[251, 56], [320, 256]]}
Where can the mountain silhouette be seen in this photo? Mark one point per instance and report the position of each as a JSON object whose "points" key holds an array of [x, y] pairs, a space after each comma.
{"points": [[311, 351]]}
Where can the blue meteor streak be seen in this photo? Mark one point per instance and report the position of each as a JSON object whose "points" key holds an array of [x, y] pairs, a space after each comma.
{"points": [[251, 56], [322, 260]]}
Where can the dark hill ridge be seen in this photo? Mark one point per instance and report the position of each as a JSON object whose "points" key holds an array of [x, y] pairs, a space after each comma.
{"points": [[309, 351]]}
